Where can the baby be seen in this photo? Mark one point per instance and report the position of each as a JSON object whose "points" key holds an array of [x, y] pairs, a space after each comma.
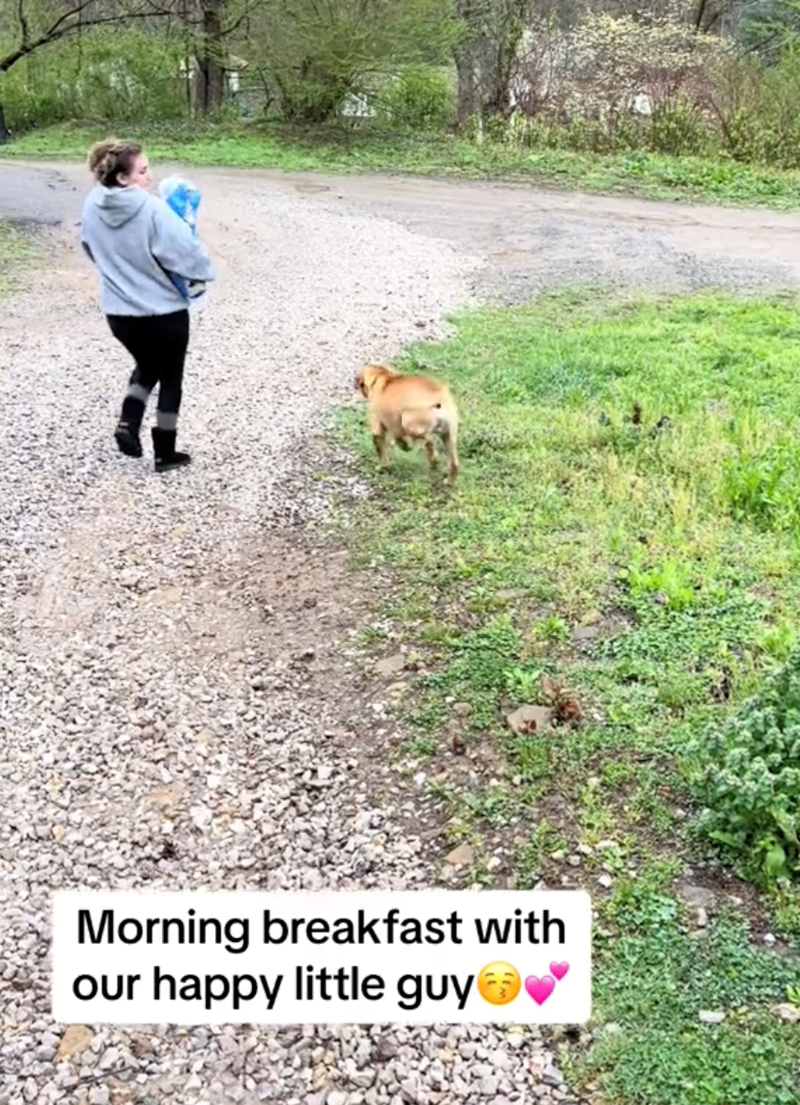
{"points": [[184, 199]]}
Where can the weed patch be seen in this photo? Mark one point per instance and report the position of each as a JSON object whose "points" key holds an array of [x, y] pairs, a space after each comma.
{"points": [[656, 987], [17, 251], [749, 778]]}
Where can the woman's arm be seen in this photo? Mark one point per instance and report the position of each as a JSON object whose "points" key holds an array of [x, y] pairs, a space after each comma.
{"points": [[176, 248]]}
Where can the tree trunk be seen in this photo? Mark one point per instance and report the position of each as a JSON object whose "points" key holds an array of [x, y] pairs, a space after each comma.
{"points": [[494, 90], [499, 60], [466, 96], [486, 55], [211, 72], [465, 55], [5, 133]]}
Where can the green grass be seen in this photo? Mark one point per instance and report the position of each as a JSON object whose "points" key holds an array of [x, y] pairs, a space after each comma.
{"points": [[371, 150], [627, 521], [17, 251], [653, 986]]}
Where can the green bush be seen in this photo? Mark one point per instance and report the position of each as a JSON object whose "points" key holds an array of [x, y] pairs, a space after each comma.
{"points": [[421, 98], [757, 106], [123, 76], [747, 774], [679, 128]]}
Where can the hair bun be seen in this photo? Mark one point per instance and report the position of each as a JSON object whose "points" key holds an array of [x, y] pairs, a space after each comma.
{"points": [[101, 150], [111, 157]]}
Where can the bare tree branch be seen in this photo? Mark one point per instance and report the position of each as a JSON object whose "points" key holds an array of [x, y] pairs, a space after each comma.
{"points": [[250, 7], [24, 28], [71, 21]]}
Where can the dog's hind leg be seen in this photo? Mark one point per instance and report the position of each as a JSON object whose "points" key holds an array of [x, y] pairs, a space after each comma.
{"points": [[450, 438], [430, 449]]}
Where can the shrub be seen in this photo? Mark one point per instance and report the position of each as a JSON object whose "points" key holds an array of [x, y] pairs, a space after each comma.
{"points": [[421, 98], [680, 127], [747, 774], [756, 108], [122, 75]]}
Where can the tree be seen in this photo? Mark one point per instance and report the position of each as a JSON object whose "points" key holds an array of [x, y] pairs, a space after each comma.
{"points": [[466, 53], [487, 52], [710, 14], [35, 24], [210, 31], [768, 27], [43, 22], [316, 52], [211, 57]]}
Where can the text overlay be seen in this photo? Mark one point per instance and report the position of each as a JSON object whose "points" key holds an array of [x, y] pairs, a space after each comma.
{"points": [[338, 957]]}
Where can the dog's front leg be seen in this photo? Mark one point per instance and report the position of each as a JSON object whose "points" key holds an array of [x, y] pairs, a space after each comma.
{"points": [[381, 448], [380, 442]]}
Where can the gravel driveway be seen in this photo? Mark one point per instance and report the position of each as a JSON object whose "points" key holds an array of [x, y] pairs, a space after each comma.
{"points": [[175, 663]]}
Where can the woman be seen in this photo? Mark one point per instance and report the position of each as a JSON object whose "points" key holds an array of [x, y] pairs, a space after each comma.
{"points": [[136, 241]]}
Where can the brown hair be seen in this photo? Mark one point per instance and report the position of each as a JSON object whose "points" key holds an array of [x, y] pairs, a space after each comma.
{"points": [[111, 158]]}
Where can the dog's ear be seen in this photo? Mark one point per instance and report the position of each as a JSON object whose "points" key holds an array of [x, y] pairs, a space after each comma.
{"points": [[362, 381], [367, 378]]}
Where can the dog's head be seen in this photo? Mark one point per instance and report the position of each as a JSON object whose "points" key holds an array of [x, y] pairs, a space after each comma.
{"points": [[370, 377]]}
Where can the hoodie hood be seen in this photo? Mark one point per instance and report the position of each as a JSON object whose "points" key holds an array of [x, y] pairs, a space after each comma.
{"points": [[117, 206]]}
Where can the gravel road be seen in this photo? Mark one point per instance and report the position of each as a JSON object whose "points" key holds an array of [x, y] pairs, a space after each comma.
{"points": [[176, 669]]}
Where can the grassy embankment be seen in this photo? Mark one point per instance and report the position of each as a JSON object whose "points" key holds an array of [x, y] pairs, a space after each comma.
{"points": [[367, 150]]}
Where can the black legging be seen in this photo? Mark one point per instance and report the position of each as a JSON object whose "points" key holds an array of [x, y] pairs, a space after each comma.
{"points": [[158, 344]]}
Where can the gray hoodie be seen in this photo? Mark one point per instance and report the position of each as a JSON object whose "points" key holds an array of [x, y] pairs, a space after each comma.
{"points": [[136, 240]]}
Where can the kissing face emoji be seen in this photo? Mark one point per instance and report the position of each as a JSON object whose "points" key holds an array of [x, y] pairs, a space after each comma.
{"points": [[499, 983]]}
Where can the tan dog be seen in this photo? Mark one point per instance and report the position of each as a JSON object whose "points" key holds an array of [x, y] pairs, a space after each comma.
{"points": [[406, 409]]}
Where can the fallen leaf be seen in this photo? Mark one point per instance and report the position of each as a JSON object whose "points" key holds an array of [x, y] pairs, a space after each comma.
{"points": [[567, 711], [551, 687], [462, 856], [530, 719], [75, 1040]]}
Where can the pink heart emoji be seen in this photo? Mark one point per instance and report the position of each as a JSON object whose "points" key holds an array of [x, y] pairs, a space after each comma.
{"points": [[539, 989], [559, 970]]}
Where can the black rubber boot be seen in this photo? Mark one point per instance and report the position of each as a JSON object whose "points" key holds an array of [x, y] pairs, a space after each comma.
{"points": [[127, 438], [164, 449], [129, 425]]}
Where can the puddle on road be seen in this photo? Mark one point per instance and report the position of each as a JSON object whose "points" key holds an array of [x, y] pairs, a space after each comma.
{"points": [[307, 187]]}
